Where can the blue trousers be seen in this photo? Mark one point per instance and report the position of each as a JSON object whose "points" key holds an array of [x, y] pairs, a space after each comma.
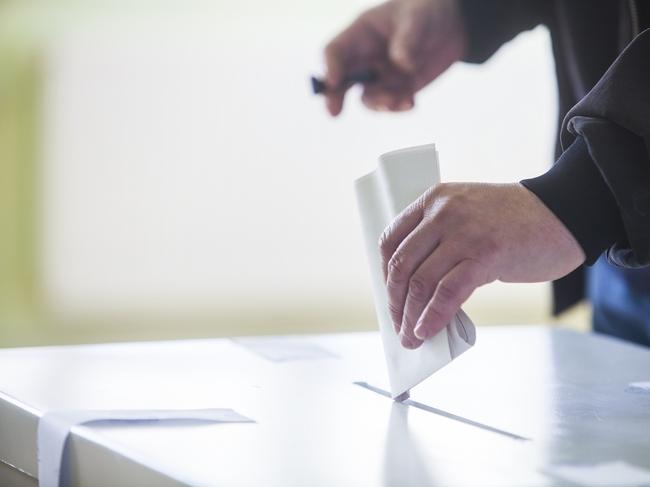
{"points": [[620, 300]]}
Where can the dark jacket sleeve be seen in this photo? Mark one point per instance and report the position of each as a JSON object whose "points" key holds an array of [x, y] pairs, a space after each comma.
{"points": [[492, 23], [603, 194]]}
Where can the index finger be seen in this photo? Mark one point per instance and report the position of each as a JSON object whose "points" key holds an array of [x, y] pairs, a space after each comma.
{"points": [[398, 230], [334, 75], [335, 61], [354, 49]]}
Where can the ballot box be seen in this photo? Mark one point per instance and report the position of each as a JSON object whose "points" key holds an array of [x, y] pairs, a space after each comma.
{"points": [[527, 406]]}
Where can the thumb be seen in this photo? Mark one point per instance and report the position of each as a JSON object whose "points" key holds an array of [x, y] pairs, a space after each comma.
{"points": [[403, 45]]}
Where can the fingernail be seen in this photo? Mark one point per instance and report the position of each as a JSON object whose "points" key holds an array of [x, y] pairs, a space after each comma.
{"points": [[421, 332]]}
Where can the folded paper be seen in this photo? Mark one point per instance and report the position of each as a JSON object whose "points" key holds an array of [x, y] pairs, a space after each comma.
{"points": [[54, 428], [402, 177]]}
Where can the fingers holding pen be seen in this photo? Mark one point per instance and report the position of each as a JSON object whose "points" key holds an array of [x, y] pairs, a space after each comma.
{"points": [[357, 49], [364, 52], [384, 88]]}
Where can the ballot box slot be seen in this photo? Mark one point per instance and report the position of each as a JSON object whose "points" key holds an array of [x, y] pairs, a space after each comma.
{"points": [[445, 414], [16, 467]]}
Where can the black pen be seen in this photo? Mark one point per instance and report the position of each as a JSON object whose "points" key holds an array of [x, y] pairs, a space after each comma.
{"points": [[318, 85]]}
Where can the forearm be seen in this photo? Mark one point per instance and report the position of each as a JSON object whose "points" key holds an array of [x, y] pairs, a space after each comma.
{"points": [[600, 187], [575, 190]]}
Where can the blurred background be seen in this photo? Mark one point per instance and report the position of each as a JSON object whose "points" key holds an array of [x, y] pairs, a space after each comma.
{"points": [[165, 171]]}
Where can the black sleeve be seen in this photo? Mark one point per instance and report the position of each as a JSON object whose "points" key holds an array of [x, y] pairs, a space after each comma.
{"points": [[574, 189], [600, 186], [491, 23]]}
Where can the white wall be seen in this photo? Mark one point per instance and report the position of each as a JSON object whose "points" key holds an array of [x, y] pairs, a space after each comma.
{"points": [[187, 167]]}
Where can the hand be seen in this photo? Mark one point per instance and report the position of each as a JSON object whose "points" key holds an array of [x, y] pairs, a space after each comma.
{"points": [[457, 237], [408, 42]]}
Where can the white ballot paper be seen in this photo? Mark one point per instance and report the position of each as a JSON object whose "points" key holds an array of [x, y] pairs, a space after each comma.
{"points": [[402, 177], [54, 428]]}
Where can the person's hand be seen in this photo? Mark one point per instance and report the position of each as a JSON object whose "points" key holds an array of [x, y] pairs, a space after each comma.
{"points": [[459, 236], [408, 42]]}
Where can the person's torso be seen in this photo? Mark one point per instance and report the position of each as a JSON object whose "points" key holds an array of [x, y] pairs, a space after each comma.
{"points": [[587, 36]]}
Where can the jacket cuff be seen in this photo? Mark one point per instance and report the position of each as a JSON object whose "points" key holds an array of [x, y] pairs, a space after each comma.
{"points": [[622, 158], [576, 192]]}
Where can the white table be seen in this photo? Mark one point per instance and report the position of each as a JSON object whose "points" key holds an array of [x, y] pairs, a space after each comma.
{"points": [[565, 391]]}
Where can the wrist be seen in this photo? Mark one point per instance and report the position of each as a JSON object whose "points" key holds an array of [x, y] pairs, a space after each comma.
{"points": [[576, 193]]}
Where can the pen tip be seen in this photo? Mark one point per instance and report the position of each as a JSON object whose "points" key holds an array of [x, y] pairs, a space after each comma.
{"points": [[317, 85]]}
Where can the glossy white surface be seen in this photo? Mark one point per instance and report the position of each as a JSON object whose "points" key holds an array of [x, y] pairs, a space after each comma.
{"points": [[565, 391]]}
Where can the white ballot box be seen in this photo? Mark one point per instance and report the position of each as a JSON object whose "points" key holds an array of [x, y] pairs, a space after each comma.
{"points": [[532, 406]]}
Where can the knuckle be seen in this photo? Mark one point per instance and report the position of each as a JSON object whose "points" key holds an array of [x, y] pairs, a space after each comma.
{"points": [[384, 239], [385, 251], [397, 268], [441, 189], [446, 293], [393, 308], [418, 288], [438, 317], [452, 210], [445, 215], [429, 195], [456, 202], [415, 208]]}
